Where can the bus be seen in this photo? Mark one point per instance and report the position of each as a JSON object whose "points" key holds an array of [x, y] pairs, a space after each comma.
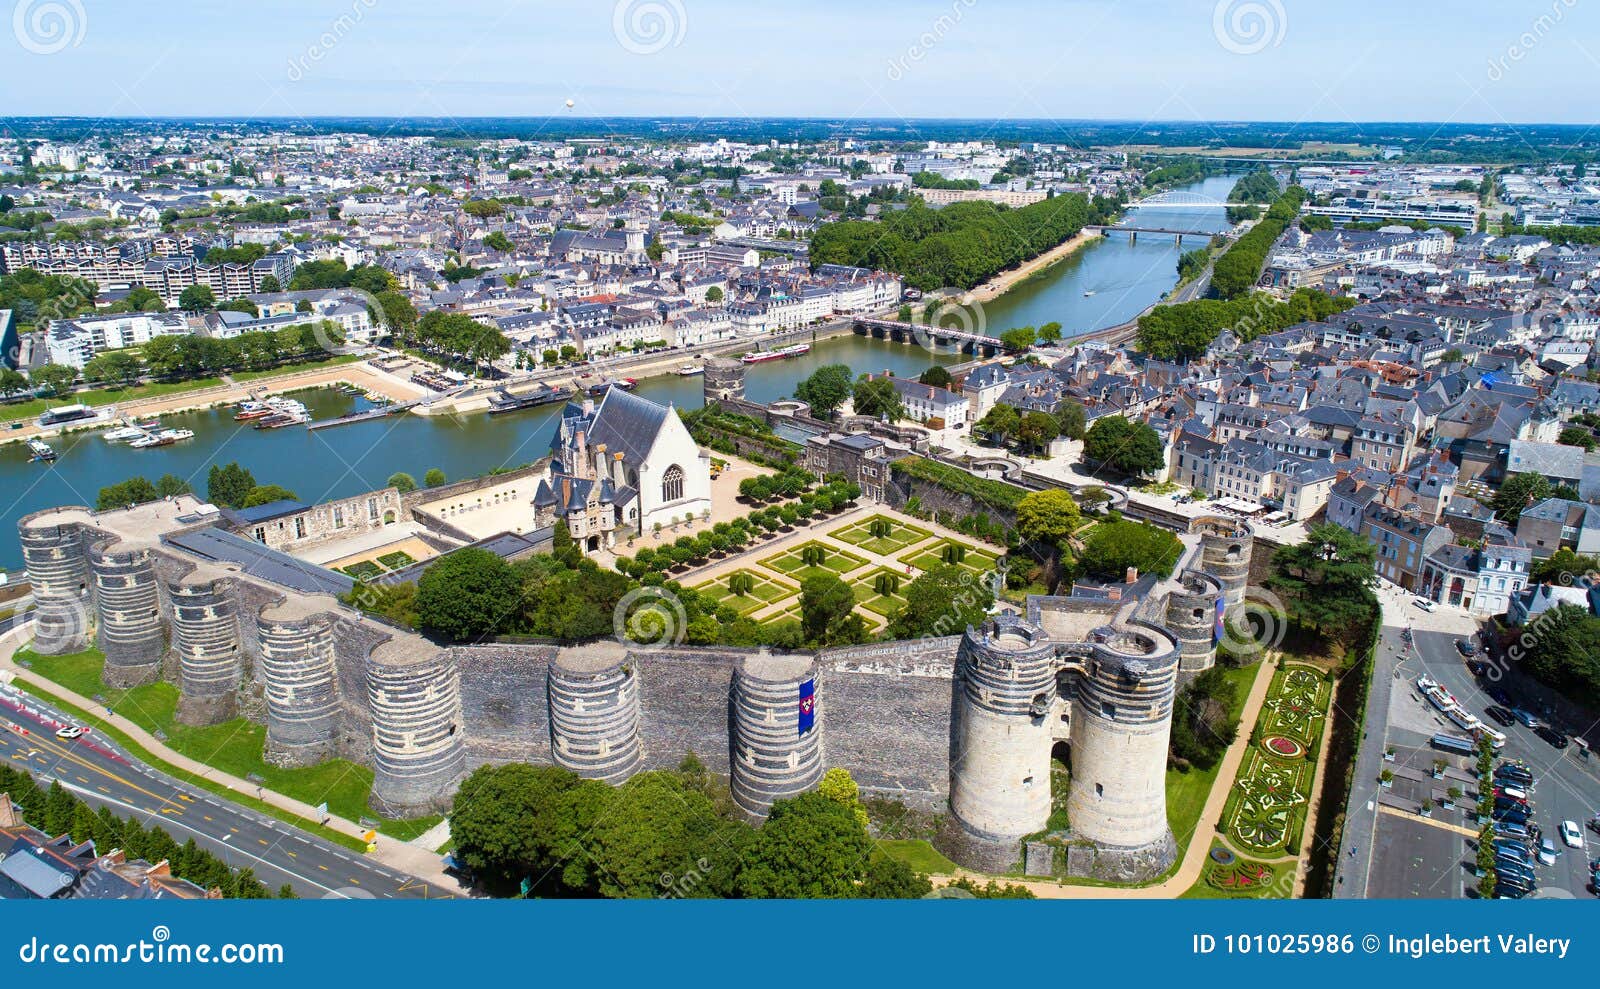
{"points": [[1455, 743]]}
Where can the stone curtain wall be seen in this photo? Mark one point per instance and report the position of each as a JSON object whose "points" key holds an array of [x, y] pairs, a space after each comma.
{"points": [[504, 702]]}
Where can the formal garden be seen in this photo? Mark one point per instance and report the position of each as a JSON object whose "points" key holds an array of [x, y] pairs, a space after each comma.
{"points": [[371, 569], [811, 558], [881, 535], [1229, 875], [747, 591], [1266, 813], [952, 552]]}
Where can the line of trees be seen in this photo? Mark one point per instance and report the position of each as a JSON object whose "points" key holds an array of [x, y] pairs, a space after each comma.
{"points": [[543, 831], [1185, 330], [1236, 271]]}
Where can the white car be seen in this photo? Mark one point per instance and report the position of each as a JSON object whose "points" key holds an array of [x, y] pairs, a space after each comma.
{"points": [[70, 732], [1571, 835], [1426, 605]]}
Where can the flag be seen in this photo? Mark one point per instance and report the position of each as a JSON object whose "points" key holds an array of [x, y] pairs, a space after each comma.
{"points": [[1222, 621], [808, 705]]}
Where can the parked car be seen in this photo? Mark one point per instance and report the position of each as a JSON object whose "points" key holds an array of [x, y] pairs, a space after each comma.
{"points": [[1528, 720], [70, 732], [1552, 736], [1500, 696], [1547, 852], [1505, 891], [1571, 835], [1515, 871], [1516, 772], [1512, 814], [1477, 667], [1466, 648], [1514, 792], [1500, 715], [1523, 880], [1425, 604], [1516, 831], [1522, 857]]}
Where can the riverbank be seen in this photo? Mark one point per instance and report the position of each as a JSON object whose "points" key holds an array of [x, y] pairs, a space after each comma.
{"points": [[359, 374], [1003, 282]]}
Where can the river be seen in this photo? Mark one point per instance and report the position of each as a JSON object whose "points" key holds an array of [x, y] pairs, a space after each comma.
{"points": [[346, 460]]}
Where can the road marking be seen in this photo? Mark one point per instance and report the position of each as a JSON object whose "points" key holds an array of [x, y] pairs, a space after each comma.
{"points": [[355, 880], [261, 841], [227, 837], [206, 816], [233, 829], [80, 779], [323, 868]]}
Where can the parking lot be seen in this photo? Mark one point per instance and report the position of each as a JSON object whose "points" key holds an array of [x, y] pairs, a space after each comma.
{"points": [[1414, 856]]}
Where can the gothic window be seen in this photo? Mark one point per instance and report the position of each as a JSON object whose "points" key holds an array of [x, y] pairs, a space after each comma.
{"points": [[672, 483]]}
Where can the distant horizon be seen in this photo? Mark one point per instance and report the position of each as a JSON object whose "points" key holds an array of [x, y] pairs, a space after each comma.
{"points": [[813, 118]]}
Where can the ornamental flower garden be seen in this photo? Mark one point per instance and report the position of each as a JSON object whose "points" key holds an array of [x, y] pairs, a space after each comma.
{"points": [[1266, 813]]}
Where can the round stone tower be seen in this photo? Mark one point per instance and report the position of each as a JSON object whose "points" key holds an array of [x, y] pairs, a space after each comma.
{"points": [[59, 573], [1192, 619], [1225, 547], [128, 607], [418, 752], [1121, 720], [594, 715], [1000, 769], [205, 636], [723, 379], [773, 757], [298, 679]]}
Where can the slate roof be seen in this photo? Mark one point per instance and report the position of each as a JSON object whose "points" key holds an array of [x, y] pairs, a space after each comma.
{"points": [[261, 562]]}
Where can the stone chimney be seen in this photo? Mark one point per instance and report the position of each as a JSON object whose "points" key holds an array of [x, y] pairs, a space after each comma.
{"points": [[1133, 575]]}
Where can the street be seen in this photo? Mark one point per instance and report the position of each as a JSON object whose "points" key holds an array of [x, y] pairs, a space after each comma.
{"points": [[99, 772], [1385, 854]]}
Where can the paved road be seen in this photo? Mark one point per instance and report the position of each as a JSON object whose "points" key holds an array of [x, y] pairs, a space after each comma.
{"points": [[1355, 849], [98, 771]]}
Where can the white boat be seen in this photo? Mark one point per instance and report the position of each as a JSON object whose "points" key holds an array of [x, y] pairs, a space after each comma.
{"points": [[122, 434], [758, 356], [689, 370], [147, 441], [41, 451], [1088, 292], [173, 435]]}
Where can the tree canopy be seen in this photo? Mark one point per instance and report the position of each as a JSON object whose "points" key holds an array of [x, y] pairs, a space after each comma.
{"points": [[1124, 445], [944, 600], [825, 390], [464, 594], [1112, 548], [1326, 582]]}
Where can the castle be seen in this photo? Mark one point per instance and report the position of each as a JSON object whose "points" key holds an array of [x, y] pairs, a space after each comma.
{"points": [[966, 723]]}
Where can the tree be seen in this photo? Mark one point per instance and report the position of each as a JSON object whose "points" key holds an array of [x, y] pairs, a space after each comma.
{"points": [[810, 847], [467, 594], [1124, 445], [498, 241], [54, 380], [877, 397], [1566, 652], [1518, 492], [517, 821], [1050, 332], [133, 491], [1326, 581], [114, 366], [1576, 436], [399, 315], [1564, 567], [1453, 356], [266, 494], [197, 298], [433, 478], [1113, 548], [1048, 516], [1019, 339], [1202, 726], [402, 482], [1036, 430], [229, 486], [825, 390], [1070, 420], [11, 381], [943, 601], [655, 833], [888, 878], [714, 294], [1000, 423], [936, 376], [270, 283], [826, 615], [141, 299], [171, 485]]}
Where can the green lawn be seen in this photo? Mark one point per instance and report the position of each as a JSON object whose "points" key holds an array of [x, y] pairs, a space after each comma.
{"points": [[835, 561], [766, 591], [977, 560], [918, 854], [901, 535], [235, 746], [396, 560], [1187, 792], [868, 597], [1241, 879], [33, 408], [364, 570]]}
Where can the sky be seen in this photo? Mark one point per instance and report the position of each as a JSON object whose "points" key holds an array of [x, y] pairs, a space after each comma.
{"points": [[1466, 61]]}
